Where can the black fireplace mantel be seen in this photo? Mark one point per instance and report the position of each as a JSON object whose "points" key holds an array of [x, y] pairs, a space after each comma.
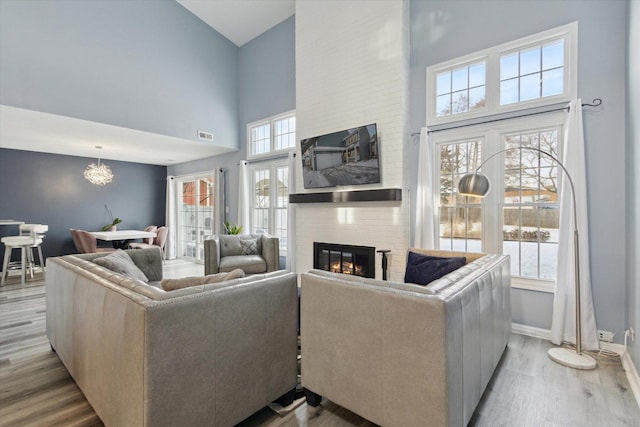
{"points": [[379, 195]]}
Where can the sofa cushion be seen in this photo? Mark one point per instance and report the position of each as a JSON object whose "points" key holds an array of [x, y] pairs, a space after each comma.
{"points": [[250, 264], [424, 269], [186, 282], [249, 246], [120, 262]]}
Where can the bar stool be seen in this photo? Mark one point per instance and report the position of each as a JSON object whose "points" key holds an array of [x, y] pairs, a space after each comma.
{"points": [[39, 230], [26, 243]]}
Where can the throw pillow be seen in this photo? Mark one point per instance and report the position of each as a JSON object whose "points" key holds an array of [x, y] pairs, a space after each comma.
{"points": [[186, 282], [424, 269], [222, 277], [249, 246], [120, 262], [183, 282]]}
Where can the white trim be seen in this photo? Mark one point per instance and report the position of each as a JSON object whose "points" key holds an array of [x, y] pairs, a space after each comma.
{"points": [[531, 331], [632, 375], [491, 56], [272, 152], [548, 286]]}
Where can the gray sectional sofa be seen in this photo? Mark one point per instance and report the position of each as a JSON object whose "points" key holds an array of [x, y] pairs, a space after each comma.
{"points": [[401, 354], [204, 355]]}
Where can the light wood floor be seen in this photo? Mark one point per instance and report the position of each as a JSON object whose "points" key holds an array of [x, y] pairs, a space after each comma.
{"points": [[527, 389]]}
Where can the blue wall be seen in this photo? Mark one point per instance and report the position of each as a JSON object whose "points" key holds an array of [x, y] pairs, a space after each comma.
{"points": [[146, 65], [445, 29], [633, 164], [51, 189], [267, 87]]}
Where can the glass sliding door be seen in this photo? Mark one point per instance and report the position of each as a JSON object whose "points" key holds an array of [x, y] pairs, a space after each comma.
{"points": [[195, 215]]}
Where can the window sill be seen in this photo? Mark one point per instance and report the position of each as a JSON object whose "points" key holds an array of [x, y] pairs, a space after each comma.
{"points": [[533, 285]]}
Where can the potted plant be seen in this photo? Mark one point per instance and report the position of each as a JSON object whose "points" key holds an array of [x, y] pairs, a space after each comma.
{"points": [[235, 229], [114, 221], [113, 225]]}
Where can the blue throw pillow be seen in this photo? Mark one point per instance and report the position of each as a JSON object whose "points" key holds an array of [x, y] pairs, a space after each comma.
{"points": [[424, 269]]}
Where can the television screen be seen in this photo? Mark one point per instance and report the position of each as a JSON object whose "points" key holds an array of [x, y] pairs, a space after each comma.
{"points": [[348, 157]]}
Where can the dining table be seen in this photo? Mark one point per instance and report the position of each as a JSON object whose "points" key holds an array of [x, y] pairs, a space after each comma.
{"points": [[120, 239]]}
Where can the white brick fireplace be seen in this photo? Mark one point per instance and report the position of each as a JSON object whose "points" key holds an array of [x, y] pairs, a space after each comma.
{"points": [[351, 70]]}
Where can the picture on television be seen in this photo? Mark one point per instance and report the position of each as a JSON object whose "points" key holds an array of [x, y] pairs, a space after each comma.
{"points": [[348, 157]]}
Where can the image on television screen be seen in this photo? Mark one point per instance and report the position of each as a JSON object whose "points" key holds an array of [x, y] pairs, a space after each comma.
{"points": [[348, 157]]}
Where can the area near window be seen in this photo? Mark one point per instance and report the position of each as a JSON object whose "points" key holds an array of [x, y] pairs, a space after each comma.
{"points": [[270, 183], [520, 216], [195, 214], [269, 142], [271, 136], [530, 72]]}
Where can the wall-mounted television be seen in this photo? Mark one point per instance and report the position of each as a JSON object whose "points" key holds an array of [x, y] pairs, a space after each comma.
{"points": [[347, 157]]}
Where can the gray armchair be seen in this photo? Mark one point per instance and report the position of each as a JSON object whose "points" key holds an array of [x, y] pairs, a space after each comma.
{"points": [[253, 253]]}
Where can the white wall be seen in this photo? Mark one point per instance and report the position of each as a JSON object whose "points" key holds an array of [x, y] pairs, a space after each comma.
{"points": [[351, 70]]}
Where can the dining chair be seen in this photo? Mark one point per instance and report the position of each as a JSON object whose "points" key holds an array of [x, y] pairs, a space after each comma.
{"points": [[86, 243], [150, 229], [159, 241]]}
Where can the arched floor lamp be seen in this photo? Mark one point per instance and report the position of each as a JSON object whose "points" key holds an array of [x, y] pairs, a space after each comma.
{"points": [[478, 185]]}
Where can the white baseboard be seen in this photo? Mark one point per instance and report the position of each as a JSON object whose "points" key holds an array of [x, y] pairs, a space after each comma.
{"points": [[627, 362], [531, 331], [632, 375]]}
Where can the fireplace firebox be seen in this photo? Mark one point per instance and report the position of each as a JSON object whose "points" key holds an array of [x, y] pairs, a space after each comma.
{"points": [[346, 259]]}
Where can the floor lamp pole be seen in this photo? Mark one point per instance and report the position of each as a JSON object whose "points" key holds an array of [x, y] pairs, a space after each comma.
{"points": [[565, 356]]}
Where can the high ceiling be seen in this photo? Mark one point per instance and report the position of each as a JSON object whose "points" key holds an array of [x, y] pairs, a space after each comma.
{"points": [[238, 20]]}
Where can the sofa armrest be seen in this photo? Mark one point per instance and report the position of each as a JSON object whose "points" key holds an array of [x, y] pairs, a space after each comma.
{"points": [[212, 256], [271, 252]]}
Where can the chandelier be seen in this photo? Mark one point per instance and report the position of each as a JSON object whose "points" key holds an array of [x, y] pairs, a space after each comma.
{"points": [[98, 174]]}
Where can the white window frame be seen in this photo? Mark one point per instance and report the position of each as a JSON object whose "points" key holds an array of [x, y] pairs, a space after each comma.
{"points": [[272, 166], [492, 56], [491, 135], [272, 151]]}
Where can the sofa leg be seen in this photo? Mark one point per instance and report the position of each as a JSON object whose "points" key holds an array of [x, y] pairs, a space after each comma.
{"points": [[312, 398], [287, 398]]}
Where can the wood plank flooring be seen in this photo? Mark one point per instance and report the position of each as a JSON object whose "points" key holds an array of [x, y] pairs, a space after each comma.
{"points": [[528, 389]]}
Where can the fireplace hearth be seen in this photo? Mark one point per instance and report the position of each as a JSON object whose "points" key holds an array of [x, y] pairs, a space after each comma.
{"points": [[345, 259]]}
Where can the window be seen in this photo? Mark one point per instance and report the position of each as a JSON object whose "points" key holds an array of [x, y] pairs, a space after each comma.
{"points": [[530, 207], [460, 217], [460, 89], [270, 185], [530, 72], [270, 136], [270, 178], [520, 215], [195, 214]]}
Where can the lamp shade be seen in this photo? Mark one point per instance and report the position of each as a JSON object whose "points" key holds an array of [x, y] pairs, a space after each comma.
{"points": [[474, 185]]}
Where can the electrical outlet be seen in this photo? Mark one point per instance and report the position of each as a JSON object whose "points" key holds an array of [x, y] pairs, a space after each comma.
{"points": [[606, 336]]}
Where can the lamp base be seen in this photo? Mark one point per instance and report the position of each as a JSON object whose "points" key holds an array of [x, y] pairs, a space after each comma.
{"points": [[570, 358]]}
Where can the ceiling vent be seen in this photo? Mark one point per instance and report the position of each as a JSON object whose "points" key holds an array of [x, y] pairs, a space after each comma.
{"points": [[205, 135]]}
